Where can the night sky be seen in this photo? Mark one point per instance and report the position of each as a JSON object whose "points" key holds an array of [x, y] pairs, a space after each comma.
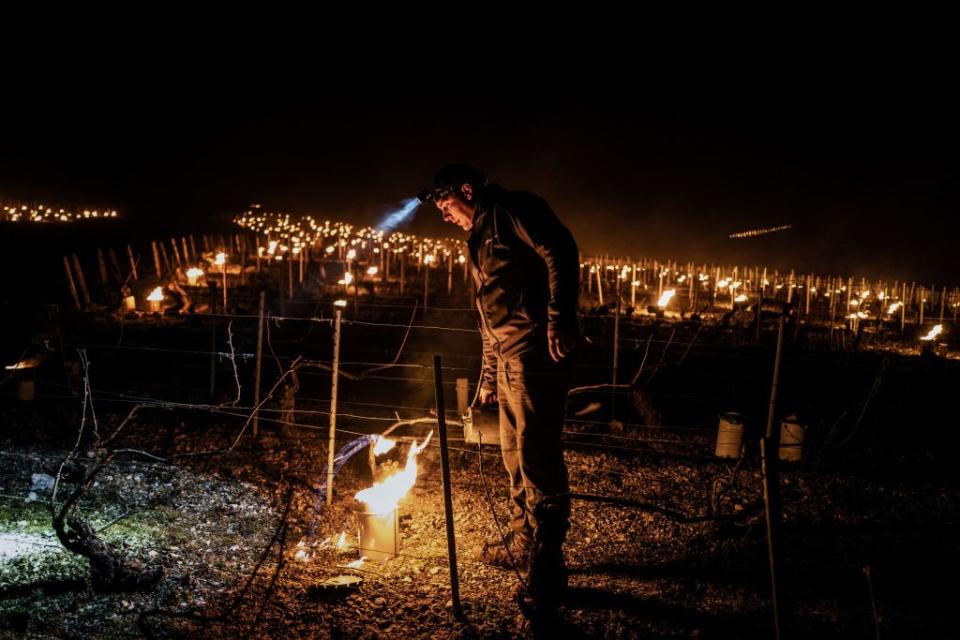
{"points": [[864, 168]]}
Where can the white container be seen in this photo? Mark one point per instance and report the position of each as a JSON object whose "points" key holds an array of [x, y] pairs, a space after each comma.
{"points": [[729, 436], [379, 535], [792, 435], [129, 303]]}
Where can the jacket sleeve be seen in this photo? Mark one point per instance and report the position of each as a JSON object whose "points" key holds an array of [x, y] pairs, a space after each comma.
{"points": [[539, 227], [488, 375]]}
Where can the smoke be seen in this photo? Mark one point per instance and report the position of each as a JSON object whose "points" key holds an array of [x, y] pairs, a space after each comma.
{"points": [[392, 220]]}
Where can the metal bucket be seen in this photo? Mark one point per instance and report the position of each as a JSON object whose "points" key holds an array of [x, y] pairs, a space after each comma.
{"points": [[379, 536], [482, 426], [792, 434], [729, 436]]}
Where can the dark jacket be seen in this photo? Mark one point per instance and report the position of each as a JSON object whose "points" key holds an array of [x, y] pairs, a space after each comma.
{"points": [[526, 269]]}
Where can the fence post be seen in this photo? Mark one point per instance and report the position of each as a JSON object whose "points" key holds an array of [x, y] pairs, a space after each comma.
{"points": [[333, 404]]}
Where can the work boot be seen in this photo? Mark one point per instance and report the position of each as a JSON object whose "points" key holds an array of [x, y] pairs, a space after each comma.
{"points": [[514, 554], [547, 581]]}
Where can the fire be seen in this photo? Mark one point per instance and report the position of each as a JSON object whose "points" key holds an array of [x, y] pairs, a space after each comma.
{"points": [[340, 303], [156, 295], [221, 259], [194, 272], [372, 271], [892, 309], [384, 496], [741, 298], [342, 541], [665, 298], [356, 564], [936, 331], [351, 254]]}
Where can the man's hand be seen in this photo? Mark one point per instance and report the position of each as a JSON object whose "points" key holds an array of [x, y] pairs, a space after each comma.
{"points": [[561, 342], [487, 397]]}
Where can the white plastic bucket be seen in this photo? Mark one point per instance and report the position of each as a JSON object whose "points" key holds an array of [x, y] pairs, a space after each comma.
{"points": [[729, 436]]}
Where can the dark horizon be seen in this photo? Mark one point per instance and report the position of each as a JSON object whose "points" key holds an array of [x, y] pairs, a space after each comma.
{"points": [[867, 182]]}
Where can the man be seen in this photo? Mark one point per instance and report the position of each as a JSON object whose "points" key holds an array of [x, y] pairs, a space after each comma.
{"points": [[526, 271]]}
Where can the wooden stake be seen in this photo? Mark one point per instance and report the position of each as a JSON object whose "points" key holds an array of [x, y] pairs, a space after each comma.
{"points": [[70, 282], [156, 259], [256, 382], [133, 263], [331, 441], [115, 265], [81, 280], [102, 263]]}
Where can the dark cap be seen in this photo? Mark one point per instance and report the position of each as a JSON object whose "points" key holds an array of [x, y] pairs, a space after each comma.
{"points": [[451, 177]]}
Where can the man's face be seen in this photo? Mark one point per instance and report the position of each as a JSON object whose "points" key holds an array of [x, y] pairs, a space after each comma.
{"points": [[458, 207]]}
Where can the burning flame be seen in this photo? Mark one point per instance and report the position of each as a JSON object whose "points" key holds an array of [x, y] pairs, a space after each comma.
{"points": [[892, 309], [351, 254], [936, 331], [356, 564], [340, 303], [221, 259], [372, 271], [384, 496], [665, 298], [741, 298], [156, 295], [342, 541], [194, 272]]}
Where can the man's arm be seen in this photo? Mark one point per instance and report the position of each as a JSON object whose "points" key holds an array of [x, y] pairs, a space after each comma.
{"points": [[488, 376], [538, 226]]}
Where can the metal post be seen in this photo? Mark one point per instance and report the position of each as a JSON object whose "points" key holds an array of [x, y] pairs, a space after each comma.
{"points": [[331, 443], [447, 497], [256, 381], [403, 270], [769, 451], [223, 267]]}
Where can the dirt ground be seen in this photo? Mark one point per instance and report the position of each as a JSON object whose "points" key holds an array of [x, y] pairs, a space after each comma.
{"points": [[862, 548]]}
